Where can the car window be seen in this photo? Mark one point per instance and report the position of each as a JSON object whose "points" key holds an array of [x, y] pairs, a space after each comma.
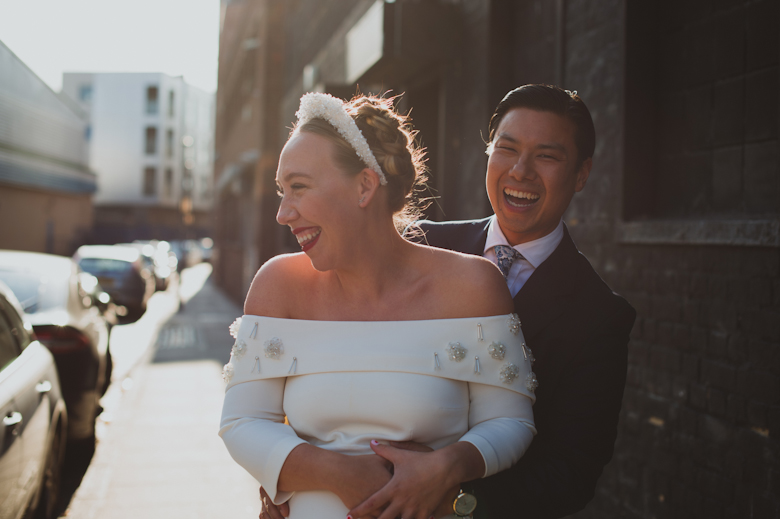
{"points": [[9, 349], [37, 292], [103, 265], [18, 329]]}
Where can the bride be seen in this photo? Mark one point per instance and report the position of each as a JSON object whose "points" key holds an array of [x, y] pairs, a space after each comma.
{"points": [[364, 338]]}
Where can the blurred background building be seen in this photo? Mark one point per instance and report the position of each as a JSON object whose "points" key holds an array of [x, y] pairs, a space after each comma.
{"points": [[46, 184], [150, 139], [681, 213]]}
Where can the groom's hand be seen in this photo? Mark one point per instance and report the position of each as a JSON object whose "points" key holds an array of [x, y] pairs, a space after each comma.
{"points": [[270, 510], [424, 483], [445, 508]]}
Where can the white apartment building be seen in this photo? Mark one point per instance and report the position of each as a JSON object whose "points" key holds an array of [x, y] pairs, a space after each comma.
{"points": [[151, 141]]}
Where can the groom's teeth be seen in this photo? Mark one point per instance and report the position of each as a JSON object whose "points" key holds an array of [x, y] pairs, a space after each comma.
{"points": [[521, 194]]}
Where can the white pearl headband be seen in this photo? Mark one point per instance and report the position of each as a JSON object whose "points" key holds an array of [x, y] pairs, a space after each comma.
{"points": [[324, 106]]}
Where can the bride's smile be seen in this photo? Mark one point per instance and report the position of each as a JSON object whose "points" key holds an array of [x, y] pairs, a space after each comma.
{"points": [[307, 236]]}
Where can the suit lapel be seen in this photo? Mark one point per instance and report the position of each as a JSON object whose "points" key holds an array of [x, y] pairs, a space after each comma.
{"points": [[545, 295]]}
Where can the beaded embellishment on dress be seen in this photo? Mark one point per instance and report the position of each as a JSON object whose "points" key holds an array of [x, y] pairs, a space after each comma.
{"points": [[456, 352], [274, 348], [227, 372], [234, 326], [239, 348], [497, 350], [509, 373], [531, 382], [514, 323]]}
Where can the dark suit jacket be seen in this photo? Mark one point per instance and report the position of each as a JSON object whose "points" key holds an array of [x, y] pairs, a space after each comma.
{"points": [[578, 330]]}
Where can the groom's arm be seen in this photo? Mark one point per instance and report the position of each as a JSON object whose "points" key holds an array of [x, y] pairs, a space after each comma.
{"points": [[558, 474]]}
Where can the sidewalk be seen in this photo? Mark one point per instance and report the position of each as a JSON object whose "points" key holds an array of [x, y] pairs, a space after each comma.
{"points": [[160, 456]]}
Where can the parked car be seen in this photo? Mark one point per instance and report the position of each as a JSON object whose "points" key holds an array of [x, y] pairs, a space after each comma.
{"points": [[35, 419], [61, 304], [121, 272], [160, 258], [111, 312], [207, 248], [188, 252]]}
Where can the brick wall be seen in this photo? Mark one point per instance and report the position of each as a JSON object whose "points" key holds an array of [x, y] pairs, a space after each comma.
{"points": [[699, 429], [699, 426]]}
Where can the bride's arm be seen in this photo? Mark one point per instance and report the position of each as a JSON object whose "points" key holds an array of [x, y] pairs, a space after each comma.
{"points": [[257, 438], [255, 434], [501, 426]]}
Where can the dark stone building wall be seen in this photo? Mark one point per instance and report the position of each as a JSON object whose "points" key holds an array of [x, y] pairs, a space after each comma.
{"points": [[699, 430], [679, 216]]}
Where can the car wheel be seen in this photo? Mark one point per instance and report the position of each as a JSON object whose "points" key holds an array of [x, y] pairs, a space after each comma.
{"points": [[52, 478]]}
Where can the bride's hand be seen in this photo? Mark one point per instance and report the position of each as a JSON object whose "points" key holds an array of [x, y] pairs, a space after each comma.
{"points": [[359, 478], [422, 483]]}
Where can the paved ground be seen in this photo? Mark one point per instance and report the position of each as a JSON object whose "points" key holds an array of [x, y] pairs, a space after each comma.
{"points": [[158, 454]]}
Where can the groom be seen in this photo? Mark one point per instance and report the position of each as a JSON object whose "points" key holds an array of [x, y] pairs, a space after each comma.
{"points": [[540, 153]]}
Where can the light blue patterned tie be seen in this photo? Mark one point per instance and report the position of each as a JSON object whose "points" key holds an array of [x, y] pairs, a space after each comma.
{"points": [[506, 255]]}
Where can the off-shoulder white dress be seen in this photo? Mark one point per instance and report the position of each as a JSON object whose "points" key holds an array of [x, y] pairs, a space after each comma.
{"points": [[342, 384]]}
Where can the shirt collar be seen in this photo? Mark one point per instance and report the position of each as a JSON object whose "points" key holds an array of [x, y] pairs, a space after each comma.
{"points": [[535, 252]]}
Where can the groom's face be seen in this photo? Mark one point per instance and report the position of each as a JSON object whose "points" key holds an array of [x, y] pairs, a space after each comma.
{"points": [[533, 172]]}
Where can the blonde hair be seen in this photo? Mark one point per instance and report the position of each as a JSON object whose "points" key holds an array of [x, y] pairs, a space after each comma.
{"points": [[392, 141]]}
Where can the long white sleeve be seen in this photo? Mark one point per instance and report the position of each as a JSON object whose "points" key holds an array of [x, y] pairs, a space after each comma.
{"points": [[501, 425], [255, 434]]}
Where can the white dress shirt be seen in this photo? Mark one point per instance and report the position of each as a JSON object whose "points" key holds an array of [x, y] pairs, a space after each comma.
{"points": [[534, 253]]}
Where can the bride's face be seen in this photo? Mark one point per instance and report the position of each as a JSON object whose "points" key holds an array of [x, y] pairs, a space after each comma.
{"points": [[319, 200]]}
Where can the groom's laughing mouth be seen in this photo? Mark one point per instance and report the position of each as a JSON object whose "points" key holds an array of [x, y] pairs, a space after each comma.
{"points": [[520, 199]]}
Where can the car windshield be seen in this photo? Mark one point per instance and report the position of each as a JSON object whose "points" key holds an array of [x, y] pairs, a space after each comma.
{"points": [[104, 265], [37, 292]]}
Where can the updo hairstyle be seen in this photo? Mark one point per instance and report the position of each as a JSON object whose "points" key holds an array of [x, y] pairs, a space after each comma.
{"points": [[391, 138]]}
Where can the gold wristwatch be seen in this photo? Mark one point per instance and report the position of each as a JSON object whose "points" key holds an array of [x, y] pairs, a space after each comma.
{"points": [[464, 505]]}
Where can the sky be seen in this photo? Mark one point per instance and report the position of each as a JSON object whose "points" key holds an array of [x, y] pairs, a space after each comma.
{"points": [[176, 37]]}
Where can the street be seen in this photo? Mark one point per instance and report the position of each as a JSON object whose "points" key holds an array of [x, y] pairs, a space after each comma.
{"points": [[158, 454]]}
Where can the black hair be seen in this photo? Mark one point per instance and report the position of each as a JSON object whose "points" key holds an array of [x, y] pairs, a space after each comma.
{"points": [[549, 98]]}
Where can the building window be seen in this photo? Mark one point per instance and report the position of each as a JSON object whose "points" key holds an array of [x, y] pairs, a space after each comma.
{"points": [[85, 93], [168, 183], [150, 181], [151, 140], [187, 183], [701, 127], [701, 113], [169, 143], [171, 105], [152, 102]]}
